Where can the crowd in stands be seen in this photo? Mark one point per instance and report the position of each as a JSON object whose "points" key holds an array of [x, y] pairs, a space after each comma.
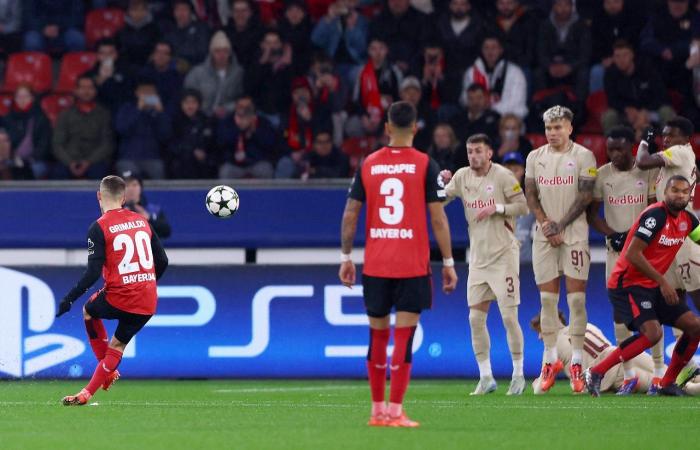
{"points": [[299, 88]]}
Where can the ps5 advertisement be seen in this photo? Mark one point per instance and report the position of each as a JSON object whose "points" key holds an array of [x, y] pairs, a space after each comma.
{"points": [[256, 322]]}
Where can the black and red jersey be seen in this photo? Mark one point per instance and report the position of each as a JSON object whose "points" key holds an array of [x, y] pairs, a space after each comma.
{"points": [[396, 183], [664, 234]]}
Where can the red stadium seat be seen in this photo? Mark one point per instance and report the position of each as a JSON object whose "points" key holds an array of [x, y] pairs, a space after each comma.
{"points": [[31, 68], [102, 23], [537, 140], [596, 144], [596, 105], [55, 104], [73, 65], [5, 103]]}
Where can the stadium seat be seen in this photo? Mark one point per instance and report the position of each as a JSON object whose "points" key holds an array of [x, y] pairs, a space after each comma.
{"points": [[596, 104], [596, 144], [55, 104], [32, 68], [537, 140], [357, 148], [102, 23], [73, 65], [5, 104]]}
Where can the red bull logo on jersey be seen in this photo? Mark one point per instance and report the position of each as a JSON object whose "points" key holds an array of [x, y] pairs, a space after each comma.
{"points": [[555, 181], [627, 200], [670, 242], [479, 204], [392, 169]]}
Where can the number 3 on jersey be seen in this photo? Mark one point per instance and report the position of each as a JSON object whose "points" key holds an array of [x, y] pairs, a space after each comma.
{"points": [[392, 190], [142, 242]]}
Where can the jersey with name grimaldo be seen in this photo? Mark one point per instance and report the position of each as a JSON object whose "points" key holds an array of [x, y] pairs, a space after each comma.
{"points": [[396, 183], [664, 235], [129, 270]]}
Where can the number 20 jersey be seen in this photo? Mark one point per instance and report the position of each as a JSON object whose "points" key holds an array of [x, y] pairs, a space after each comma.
{"points": [[129, 269], [396, 183]]}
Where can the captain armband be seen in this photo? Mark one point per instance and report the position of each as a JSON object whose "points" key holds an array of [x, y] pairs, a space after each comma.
{"points": [[695, 234]]}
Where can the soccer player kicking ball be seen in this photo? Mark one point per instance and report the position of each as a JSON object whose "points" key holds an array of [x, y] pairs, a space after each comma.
{"points": [[642, 298], [396, 182], [559, 180], [121, 245], [492, 199], [625, 191]]}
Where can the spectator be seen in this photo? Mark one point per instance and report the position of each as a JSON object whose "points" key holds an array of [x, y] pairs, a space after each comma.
{"points": [[190, 152], [189, 38], [326, 160], [510, 137], [295, 29], [636, 93], [247, 143], [478, 117], [161, 69], [445, 149], [342, 34], [82, 138], [143, 128], [376, 89], [219, 78], [113, 76], [564, 50], [517, 27], [666, 38], [244, 30], [30, 131], [135, 200], [300, 126], [411, 92], [503, 80], [524, 225], [618, 19], [440, 92], [53, 25], [459, 32], [12, 167], [404, 29], [328, 94], [139, 35], [269, 77], [10, 26]]}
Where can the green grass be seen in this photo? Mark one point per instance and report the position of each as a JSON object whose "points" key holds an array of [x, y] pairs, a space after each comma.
{"points": [[332, 414]]}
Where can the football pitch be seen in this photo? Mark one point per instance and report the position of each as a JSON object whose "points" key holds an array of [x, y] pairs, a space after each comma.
{"points": [[322, 414]]}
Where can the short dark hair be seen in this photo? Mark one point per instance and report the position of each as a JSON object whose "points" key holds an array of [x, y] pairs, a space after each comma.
{"points": [[113, 185], [622, 132], [191, 92], [479, 138], [109, 42], [676, 178], [476, 87], [494, 37], [684, 125], [402, 114], [623, 43], [85, 77]]}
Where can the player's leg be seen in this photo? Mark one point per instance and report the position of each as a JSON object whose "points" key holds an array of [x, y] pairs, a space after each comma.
{"points": [[621, 332], [576, 261], [643, 366], [686, 346], [97, 334], [481, 341], [378, 301]]}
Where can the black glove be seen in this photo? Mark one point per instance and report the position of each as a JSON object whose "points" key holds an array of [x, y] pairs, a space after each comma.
{"points": [[63, 307], [649, 135], [617, 240]]}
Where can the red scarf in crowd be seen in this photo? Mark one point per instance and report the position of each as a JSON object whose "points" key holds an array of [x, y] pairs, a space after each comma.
{"points": [[295, 129], [85, 107], [370, 97]]}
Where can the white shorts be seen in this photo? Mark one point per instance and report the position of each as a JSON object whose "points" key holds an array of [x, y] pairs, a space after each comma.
{"points": [[500, 281]]}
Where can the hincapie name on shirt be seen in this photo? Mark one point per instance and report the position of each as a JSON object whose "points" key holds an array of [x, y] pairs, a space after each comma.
{"points": [[555, 181], [392, 169], [127, 226]]}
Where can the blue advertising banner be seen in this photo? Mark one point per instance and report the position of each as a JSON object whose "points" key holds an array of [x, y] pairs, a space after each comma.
{"points": [[254, 321]]}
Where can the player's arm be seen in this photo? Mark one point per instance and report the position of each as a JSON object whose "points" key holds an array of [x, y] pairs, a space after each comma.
{"points": [[96, 259], [645, 160], [160, 258], [532, 197], [348, 228], [581, 202], [615, 239], [434, 196], [516, 203]]}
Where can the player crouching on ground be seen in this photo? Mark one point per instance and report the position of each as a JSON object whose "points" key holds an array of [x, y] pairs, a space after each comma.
{"points": [[125, 249], [642, 298]]}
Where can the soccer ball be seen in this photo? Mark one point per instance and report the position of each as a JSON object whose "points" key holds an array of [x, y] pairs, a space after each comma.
{"points": [[222, 201]]}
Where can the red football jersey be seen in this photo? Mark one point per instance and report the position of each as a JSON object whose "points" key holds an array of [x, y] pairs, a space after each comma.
{"points": [[129, 269], [664, 233], [396, 183]]}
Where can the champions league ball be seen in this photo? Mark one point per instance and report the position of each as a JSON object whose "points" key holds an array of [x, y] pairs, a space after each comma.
{"points": [[222, 202]]}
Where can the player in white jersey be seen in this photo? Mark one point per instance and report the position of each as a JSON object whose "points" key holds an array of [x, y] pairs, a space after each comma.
{"points": [[559, 181], [625, 191], [492, 198]]}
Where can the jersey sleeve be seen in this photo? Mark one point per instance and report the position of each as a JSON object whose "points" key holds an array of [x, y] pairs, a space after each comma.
{"points": [[357, 189], [651, 182], [96, 259], [511, 186], [671, 157], [159, 257], [588, 165], [598, 189], [651, 222], [694, 233], [453, 190], [434, 186]]}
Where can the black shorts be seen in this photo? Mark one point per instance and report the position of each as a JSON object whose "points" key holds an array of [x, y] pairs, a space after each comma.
{"points": [[129, 323], [406, 294], [635, 305]]}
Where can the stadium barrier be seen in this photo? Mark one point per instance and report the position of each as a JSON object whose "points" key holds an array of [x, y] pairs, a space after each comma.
{"points": [[255, 321]]}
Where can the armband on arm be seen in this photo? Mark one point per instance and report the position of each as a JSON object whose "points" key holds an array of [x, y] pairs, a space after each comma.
{"points": [[695, 235]]}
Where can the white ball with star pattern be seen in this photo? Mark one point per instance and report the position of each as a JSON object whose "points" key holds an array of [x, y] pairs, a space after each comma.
{"points": [[222, 201]]}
